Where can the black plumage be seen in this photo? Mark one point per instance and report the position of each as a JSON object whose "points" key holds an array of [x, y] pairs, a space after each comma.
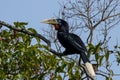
{"points": [[71, 42]]}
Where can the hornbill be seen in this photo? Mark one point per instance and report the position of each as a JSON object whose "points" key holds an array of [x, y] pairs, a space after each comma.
{"points": [[71, 42]]}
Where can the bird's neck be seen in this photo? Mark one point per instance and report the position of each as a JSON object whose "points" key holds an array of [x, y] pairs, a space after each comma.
{"points": [[63, 30]]}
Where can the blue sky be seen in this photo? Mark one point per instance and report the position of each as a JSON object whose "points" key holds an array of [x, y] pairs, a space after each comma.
{"points": [[34, 11], [31, 11]]}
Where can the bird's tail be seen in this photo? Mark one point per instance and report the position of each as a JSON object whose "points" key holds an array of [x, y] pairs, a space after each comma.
{"points": [[90, 70], [88, 66]]}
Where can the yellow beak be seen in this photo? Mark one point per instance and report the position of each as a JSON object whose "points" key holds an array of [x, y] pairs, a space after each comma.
{"points": [[50, 21]]}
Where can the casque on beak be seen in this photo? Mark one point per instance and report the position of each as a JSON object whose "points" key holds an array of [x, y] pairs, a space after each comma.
{"points": [[50, 21]]}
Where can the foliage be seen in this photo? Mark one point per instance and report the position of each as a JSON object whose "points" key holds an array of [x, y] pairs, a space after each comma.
{"points": [[25, 57]]}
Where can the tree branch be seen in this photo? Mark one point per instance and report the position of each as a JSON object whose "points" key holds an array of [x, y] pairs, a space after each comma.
{"points": [[2, 23], [26, 32], [41, 37]]}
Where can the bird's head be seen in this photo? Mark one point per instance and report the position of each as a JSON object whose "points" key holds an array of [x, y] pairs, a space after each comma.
{"points": [[59, 24]]}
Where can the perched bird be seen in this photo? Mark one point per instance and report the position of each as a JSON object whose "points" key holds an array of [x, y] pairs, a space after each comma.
{"points": [[71, 42]]}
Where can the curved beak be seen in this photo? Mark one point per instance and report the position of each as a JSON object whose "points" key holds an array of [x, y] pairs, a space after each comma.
{"points": [[50, 21]]}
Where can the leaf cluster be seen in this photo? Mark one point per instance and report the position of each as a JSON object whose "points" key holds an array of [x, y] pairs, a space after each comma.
{"points": [[25, 57]]}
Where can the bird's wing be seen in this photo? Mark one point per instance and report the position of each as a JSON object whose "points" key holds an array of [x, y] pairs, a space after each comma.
{"points": [[74, 42], [78, 40], [71, 40]]}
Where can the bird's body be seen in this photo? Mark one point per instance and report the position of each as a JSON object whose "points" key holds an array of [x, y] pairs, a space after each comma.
{"points": [[66, 38], [71, 42]]}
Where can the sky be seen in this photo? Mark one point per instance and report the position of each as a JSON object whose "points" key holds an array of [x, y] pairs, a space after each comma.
{"points": [[34, 11], [31, 11]]}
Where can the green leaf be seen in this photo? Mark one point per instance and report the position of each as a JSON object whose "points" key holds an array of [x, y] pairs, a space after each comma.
{"points": [[89, 53], [90, 50], [35, 32], [38, 39], [26, 39], [96, 57], [20, 77], [6, 33], [59, 77], [97, 48], [41, 76], [77, 75], [59, 69], [70, 66], [64, 65], [32, 30], [107, 55], [20, 24], [108, 78], [118, 57], [100, 61], [91, 45]]}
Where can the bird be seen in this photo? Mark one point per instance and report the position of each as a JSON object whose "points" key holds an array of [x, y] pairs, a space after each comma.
{"points": [[71, 42]]}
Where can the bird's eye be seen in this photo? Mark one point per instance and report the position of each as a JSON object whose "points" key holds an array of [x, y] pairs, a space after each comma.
{"points": [[59, 21]]}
